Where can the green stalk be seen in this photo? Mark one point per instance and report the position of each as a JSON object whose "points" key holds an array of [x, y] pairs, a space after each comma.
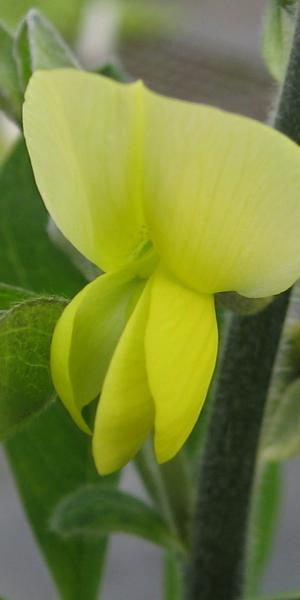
{"points": [[227, 470], [170, 488]]}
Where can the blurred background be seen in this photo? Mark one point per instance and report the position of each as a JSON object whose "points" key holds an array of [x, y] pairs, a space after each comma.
{"points": [[202, 50]]}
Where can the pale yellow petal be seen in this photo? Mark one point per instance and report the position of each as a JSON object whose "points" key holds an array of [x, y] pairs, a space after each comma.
{"points": [[85, 338], [83, 136], [181, 347], [125, 411], [222, 198]]}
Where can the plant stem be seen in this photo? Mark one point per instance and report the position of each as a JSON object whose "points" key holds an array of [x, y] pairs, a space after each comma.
{"points": [[228, 466], [170, 488], [172, 577], [229, 458]]}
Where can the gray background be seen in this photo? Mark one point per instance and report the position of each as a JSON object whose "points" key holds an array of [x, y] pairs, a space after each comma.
{"points": [[215, 59]]}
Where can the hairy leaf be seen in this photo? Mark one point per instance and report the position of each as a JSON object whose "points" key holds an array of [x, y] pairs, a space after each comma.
{"points": [[283, 439], [280, 435], [277, 38], [40, 46], [51, 458], [96, 511], [64, 13], [10, 295], [25, 382]]}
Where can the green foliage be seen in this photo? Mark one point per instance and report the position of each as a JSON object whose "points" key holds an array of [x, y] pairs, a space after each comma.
{"points": [[50, 458], [96, 511], [27, 257], [25, 381], [279, 25], [11, 295], [40, 46], [280, 435], [64, 13], [283, 440], [264, 517], [10, 92], [170, 486], [36, 45]]}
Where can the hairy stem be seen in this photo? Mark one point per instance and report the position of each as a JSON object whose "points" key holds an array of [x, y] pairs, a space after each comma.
{"points": [[227, 470], [228, 464]]}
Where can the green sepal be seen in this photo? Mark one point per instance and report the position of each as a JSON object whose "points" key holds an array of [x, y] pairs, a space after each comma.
{"points": [[112, 71], [25, 381], [10, 91], [95, 511], [38, 45]]}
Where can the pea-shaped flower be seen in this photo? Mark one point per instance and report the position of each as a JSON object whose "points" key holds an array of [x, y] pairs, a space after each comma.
{"points": [[174, 201]]}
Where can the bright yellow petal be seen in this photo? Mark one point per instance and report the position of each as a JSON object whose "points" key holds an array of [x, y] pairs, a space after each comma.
{"points": [[181, 347], [82, 133], [125, 411], [85, 338], [222, 198]]}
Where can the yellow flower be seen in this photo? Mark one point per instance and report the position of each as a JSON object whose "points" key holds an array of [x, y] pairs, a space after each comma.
{"points": [[175, 201]]}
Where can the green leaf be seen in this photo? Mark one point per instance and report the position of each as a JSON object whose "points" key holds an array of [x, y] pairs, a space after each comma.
{"points": [[50, 458], [40, 46], [280, 434], [282, 439], [10, 295], [264, 517], [27, 256], [277, 38], [64, 13], [96, 511], [10, 92], [25, 382]]}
